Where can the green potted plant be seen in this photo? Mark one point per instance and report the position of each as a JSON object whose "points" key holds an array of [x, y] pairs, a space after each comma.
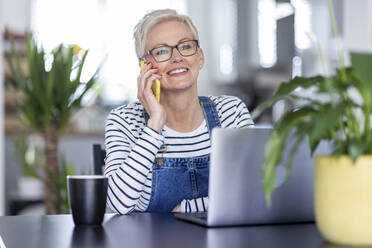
{"points": [[339, 111], [52, 90]]}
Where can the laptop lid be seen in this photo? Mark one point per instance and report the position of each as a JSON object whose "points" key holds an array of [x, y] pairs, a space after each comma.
{"points": [[235, 190]]}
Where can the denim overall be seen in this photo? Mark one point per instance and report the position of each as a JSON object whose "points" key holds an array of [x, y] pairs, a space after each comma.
{"points": [[176, 179]]}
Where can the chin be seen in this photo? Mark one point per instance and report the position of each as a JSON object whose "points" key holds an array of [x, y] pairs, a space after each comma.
{"points": [[178, 89], [178, 86]]}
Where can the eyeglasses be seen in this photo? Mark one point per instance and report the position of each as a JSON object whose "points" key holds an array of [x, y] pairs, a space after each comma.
{"points": [[164, 53]]}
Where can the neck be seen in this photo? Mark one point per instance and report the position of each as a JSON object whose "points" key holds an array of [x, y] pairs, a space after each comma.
{"points": [[184, 113]]}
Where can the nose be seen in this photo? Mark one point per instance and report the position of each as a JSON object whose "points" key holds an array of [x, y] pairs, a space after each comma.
{"points": [[176, 56]]}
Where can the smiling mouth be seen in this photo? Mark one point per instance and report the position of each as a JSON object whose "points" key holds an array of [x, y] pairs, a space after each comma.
{"points": [[177, 71]]}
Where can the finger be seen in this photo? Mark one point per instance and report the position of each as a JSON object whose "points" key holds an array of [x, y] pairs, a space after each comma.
{"points": [[148, 96], [149, 82], [143, 77], [141, 81], [149, 72], [145, 73], [147, 67], [148, 76], [175, 209]]}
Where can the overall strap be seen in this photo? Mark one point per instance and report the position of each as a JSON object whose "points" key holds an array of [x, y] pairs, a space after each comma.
{"points": [[210, 113]]}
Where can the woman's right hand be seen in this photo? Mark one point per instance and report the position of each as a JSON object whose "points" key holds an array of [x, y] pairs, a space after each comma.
{"points": [[147, 98]]}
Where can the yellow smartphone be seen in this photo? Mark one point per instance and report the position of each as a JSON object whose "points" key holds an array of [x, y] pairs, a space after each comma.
{"points": [[155, 87]]}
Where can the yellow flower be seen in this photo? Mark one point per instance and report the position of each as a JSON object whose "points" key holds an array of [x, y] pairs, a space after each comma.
{"points": [[77, 49]]}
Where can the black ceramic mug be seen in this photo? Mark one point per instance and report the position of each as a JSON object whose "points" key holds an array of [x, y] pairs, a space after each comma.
{"points": [[87, 198]]}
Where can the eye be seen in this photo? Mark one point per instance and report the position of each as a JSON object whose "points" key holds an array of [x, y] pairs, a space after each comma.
{"points": [[161, 51], [184, 46]]}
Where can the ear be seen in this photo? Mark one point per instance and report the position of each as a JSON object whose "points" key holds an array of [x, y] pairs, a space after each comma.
{"points": [[201, 58]]}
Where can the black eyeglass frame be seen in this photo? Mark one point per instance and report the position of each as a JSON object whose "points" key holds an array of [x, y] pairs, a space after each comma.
{"points": [[171, 54]]}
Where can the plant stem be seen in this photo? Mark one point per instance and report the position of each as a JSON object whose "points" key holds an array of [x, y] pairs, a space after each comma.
{"points": [[322, 60], [51, 186], [337, 37], [320, 53], [352, 122], [355, 124]]}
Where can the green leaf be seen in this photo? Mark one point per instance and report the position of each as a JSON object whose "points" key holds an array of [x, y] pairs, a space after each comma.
{"points": [[358, 147], [300, 135], [362, 64], [325, 121], [285, 89], [50, 97], [15, 67], [333, 85], [27, 112], [81, 65], [276, 144], [17, 59], [273, 152]]}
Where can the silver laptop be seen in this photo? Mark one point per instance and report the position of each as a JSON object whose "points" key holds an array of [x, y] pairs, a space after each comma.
{"points": [[235, 190]]}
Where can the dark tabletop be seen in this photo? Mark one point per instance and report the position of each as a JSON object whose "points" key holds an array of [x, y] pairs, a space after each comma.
{"points": [[150, 230]]}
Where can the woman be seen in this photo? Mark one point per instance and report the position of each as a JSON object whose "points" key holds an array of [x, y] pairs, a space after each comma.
{"points": [[158, 152]]}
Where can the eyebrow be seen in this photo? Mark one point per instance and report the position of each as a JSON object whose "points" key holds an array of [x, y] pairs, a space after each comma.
{"points": [[165, 44]]}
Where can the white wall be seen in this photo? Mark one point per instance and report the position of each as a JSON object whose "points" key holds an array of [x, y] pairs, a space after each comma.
{"points": [[358, 25], [17, 14], [199, 12], [215, 27], [2, 179]]}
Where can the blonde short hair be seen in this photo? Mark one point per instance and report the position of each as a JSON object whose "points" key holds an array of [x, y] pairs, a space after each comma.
{"points": [[155, 17]]}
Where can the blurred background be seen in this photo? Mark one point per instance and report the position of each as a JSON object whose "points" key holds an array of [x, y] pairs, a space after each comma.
{"points": [[250, 46]]}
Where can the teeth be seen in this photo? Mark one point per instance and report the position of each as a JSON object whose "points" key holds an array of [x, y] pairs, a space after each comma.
{"points": [[177, 71]]}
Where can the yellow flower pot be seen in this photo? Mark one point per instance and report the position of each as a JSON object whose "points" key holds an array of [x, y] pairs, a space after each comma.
{"points": [[343, 199]]}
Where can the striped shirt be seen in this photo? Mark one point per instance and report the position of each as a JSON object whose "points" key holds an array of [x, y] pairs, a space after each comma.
{"points": [[131, 148]]}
